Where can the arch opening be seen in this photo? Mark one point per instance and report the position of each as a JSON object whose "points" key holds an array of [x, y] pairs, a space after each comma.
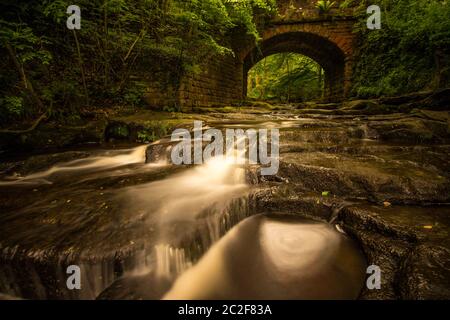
{"points": [[286, 77], [326, 53]]}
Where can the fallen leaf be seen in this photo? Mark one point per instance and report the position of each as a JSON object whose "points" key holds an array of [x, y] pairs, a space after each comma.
{"points": [[387, 204]]}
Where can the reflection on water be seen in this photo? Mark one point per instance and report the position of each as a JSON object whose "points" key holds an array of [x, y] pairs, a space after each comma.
{"points": [[276, 257]]}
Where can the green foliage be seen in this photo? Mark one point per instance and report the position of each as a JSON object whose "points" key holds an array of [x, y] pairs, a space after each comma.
{"points": [[121, 44], [120, 131], [286, 77], [133, 96], [28, 47], [324, 6], [169, 109], [347, 4], [243, 14], [12, 106], [153, 131], [410, 52]]}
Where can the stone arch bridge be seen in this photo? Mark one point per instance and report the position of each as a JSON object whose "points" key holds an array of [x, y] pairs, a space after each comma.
{"points": [[327, 38]]}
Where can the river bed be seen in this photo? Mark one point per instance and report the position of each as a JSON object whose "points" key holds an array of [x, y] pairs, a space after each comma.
{"points": [[141, 228]]}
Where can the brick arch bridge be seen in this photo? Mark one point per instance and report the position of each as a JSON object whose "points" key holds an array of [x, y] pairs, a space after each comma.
{"points": [[329, 45], [300, 28]]}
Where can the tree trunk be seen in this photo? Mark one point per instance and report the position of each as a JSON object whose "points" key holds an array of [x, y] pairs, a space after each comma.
{"points": [[320, 85], [438, 62], [28, 86], [289, 83], [105, 22], [80, 60]]}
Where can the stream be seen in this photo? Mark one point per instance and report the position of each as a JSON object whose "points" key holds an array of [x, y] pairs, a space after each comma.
{"points": [[141, 228]]}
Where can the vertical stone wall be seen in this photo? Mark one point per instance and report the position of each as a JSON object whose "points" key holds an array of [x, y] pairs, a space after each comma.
{"points": [[219, 84], [158, 97]]}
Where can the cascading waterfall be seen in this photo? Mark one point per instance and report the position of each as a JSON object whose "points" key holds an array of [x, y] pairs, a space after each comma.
{"points": [[170, 262], [206, 201], [125, 221]]}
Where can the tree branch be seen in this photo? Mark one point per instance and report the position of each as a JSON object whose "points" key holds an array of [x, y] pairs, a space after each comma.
{"points": [[34, 126]]}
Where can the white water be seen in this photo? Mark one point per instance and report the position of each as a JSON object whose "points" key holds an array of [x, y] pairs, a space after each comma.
{"points": [[110, 160], [205, 191], [170, 262], [187, 195]]}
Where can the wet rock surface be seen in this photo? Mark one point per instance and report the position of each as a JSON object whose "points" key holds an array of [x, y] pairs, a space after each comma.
{"points": [[425, 273], [383, 178], [137, 287], [52, 136], [38, 163]]}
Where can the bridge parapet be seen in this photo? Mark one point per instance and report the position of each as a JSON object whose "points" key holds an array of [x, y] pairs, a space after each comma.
{"points": [[295, 11]]}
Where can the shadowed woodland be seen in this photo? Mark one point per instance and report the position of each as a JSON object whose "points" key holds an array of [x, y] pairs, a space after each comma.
{"points": [[87, 176], [62, 74]]}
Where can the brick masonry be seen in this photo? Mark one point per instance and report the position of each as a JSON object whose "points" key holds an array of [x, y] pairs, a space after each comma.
{"points": [[326, 38]]}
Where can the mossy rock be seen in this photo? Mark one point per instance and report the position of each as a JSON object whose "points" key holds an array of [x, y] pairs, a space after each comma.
{"points": [[361, 105], [52, 135]]}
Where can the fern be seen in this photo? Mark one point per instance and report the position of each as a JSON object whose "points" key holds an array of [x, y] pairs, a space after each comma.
{"points": [[325, 6]]}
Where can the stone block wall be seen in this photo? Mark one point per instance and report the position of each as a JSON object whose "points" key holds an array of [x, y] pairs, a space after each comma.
{"points": [[220, 84], [158, 97]]}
